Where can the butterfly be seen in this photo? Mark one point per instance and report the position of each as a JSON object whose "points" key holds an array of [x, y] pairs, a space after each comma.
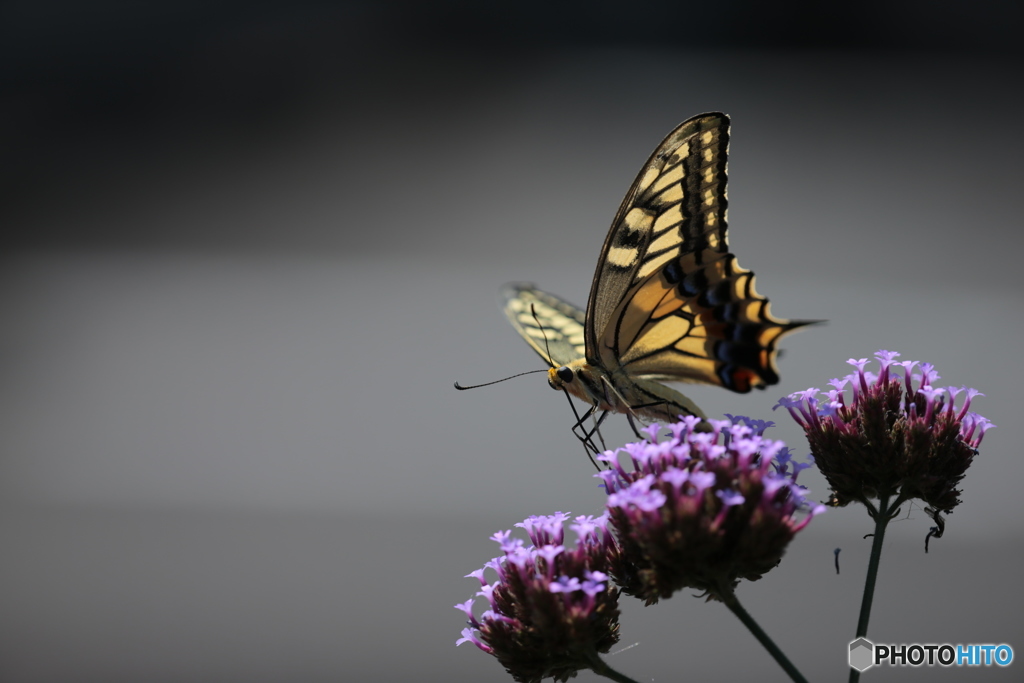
{"points": [[668, 301]]}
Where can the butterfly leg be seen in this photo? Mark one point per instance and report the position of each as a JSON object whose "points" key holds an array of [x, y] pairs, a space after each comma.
{"points": [[596, 430], [701, 426], [629, 417], [587, 437]]}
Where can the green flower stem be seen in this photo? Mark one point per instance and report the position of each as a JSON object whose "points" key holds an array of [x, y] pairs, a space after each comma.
{"points": [[730, 600], [598, 666], [882, 517]]}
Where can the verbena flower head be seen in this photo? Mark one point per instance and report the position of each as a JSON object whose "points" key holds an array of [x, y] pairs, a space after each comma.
{"points": [[701, 510], [552, 604], [896, 433]]}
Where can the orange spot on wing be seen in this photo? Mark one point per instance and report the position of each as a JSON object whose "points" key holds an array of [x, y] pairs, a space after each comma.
{"points": [[743, 379]]}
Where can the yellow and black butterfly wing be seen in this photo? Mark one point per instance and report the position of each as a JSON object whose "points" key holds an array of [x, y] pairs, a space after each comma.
{"points": [[552, 326], [668, 300]]}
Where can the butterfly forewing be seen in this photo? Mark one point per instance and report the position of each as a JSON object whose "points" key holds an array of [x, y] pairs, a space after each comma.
{"points": [[654, 223], [547, 322]]}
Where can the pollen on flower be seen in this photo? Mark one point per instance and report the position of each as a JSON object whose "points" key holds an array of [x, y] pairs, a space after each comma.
{"points": [[894, 434], [701, 510]]}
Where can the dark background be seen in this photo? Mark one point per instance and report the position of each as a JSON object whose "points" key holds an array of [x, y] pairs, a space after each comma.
{"points": [[248, 248]]}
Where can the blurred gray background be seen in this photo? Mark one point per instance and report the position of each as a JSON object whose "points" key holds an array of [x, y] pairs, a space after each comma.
{"points": [[249, 248]]}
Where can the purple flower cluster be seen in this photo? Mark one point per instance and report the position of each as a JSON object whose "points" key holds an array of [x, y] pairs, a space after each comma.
{"points": [[701, 509], [552, 605], [897, 434]]}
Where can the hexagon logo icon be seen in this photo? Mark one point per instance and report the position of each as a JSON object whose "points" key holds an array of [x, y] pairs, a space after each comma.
{"points": [[862, 654]]}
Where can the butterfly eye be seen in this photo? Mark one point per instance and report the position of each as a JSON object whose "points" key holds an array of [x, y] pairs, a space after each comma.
{"points": [[564, 374]]}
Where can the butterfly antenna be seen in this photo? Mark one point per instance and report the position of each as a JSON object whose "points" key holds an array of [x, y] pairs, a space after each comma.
{"points": [[487, 384], [547, 349]]}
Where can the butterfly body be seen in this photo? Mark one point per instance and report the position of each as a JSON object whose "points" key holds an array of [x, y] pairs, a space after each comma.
{"points": [[619, 392], [668, 301]]}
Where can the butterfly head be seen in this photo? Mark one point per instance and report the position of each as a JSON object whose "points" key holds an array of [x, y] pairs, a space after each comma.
{"points": [[581, 379], [560, 377]]}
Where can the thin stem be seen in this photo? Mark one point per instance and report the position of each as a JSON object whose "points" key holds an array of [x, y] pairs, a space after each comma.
{"points": [[730, 600], [881, 516], [871, 508], [598, 666]]}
